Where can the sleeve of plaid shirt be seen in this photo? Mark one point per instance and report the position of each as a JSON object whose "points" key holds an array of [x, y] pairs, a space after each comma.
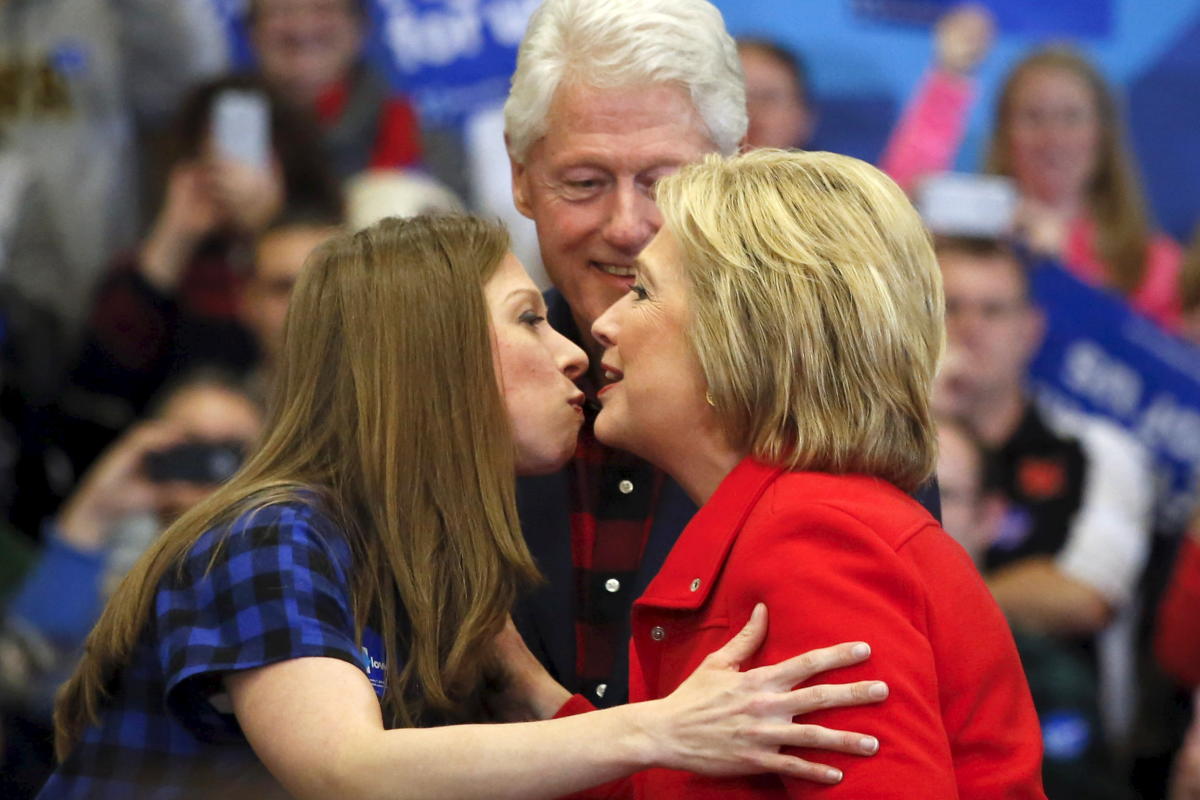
{"points": [[278, 589]]}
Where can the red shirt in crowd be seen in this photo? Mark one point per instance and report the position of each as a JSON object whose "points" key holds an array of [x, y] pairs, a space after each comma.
{"points": [[1178, 638]]}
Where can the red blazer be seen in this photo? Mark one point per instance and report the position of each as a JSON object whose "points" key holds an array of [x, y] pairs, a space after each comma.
{"points": [[845, 558]]}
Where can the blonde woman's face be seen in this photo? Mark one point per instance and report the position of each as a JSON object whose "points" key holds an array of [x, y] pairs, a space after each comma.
{"points": [[536, 367], [654, 399], [1054, 135]]}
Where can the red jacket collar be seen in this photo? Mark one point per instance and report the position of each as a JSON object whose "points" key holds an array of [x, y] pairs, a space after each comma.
{"points": [[691, 568]]}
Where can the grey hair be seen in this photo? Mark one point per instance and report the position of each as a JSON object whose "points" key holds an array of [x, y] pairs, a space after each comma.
{"points": [[616, 44]]}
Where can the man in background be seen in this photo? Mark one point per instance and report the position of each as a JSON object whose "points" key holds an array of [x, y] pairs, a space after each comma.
{"points": [[1066, 555]]}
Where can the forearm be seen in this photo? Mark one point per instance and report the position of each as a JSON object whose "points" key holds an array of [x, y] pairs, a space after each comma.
{"points": [[1036, 596], [524, 760], [163, 256], [60, 595], [930, 130]]}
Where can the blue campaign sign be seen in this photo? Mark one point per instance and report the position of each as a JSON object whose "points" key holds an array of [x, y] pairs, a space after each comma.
{"points": [[452, 56], [1024, 17], [1101, 357]]}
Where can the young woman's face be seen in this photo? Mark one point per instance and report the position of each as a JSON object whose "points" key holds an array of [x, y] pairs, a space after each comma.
{"points": [[536, 367], [1054, 135]]}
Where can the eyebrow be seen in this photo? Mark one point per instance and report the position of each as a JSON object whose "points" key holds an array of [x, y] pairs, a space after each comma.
{"points": [[640, 266], [516, 293]]}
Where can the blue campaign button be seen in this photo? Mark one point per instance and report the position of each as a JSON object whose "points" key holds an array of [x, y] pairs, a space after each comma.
{"points": [[70, 58], [1014, 528], [1066, 735]]}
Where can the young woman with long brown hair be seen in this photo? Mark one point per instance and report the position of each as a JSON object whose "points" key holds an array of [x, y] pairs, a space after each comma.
{"points": [[308, 627], [1060, 135]]}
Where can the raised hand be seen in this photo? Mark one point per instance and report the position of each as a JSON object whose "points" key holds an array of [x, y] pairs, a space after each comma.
{"points": [[963, 37]]}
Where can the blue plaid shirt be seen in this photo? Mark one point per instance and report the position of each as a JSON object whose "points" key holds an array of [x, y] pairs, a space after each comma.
{"points": [[279, 589]]}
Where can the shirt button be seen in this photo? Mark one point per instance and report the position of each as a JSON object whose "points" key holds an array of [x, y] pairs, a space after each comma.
{"points": [[601, 689], [657, 633], [625, 486], [612, 585], [695, 584]]}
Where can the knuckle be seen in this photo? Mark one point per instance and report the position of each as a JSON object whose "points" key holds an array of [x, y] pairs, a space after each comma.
{"points": [[758, 705], [808, 736]]}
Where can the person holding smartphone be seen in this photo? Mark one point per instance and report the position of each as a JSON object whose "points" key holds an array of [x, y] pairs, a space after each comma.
{"points": [[153, 473], [240, 157]]}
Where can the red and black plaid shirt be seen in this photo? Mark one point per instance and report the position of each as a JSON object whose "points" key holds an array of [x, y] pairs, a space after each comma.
{"points": [[613, 496]]}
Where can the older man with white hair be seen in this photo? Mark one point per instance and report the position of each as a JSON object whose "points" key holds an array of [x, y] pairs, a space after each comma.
{"points": [[606, 99]]}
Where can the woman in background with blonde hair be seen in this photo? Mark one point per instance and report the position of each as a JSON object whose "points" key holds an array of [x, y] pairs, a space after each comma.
{"points": [[352, 582], [775, 357]]}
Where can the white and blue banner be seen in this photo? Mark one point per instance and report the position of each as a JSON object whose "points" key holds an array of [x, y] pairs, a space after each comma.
{"points": [[1101, 357], [452, 57]]}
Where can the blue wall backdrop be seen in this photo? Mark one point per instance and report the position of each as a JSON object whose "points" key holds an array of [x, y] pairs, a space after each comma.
{"points": [[865, 57]]}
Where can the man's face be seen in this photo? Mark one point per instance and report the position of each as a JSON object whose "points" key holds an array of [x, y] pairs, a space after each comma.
{"points": [[305, 45], [990, 325], [779, 115], [588, 185], [279, 259]]}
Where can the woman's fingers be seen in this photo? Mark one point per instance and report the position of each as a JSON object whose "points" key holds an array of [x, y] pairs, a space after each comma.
{"points": [[833, 695], [817, 737], [798, 669], [744, 644], [800, 769]]}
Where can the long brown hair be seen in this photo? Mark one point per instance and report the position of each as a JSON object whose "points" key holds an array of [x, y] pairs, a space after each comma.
{"points": [[386, 407], [1114, 194]]}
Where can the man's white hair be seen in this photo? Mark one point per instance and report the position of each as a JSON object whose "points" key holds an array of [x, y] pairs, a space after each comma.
{"points": [[617, 44]]}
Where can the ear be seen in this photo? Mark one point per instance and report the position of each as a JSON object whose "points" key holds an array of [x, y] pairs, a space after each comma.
{"points": [[807, 126], [520, 183], [1034, 330]]}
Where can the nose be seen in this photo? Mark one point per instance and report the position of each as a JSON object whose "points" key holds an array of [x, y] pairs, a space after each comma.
{"points": [[569, 357], [633, 219], [604, 329]]}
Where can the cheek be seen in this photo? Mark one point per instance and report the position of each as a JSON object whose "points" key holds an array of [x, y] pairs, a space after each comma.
{"points": [[568, 225], [525, 372]]}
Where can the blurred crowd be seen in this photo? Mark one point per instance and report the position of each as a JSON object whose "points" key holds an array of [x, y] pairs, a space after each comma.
{"points": [[155, 210]]}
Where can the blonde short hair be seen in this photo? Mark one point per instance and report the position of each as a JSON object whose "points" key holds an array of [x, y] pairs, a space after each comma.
{"points": [[817, 310]]}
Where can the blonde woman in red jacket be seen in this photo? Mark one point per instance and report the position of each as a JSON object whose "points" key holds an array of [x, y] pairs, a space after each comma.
{"points": [[775, 357]]}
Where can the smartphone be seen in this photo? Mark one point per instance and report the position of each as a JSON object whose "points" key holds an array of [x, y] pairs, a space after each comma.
{"points": [[207, 463], [241, 127], [966, 204]]}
